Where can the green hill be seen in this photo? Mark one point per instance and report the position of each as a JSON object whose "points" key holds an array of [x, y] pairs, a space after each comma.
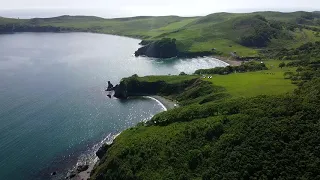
{"points": [[237, 125], [243, 33]]}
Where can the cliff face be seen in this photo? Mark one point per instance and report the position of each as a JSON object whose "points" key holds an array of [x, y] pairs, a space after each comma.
{"points": [[166, 48], [133, 87]]}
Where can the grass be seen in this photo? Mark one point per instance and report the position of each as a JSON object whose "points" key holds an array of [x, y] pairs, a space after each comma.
{"points": [[167, 79], [225, 46], [268, 82], [300, 37]]}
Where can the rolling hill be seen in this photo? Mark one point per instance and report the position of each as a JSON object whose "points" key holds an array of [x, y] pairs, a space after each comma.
{"points": [[243, 33]]}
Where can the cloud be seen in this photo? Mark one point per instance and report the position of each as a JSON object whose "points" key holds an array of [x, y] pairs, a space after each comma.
{"points": [[162, 7]]}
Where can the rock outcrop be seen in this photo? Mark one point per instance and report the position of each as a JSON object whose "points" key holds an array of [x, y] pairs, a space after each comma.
{"points": [[102, 150], [167, 48], [82, 168], [132, 86], [110, 86]]}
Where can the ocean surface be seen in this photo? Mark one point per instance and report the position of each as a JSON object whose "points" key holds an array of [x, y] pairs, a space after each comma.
{"points": [[53, 108]]}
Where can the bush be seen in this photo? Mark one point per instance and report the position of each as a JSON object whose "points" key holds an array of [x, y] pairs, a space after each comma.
{"points": [[282, 65], [182, 74], [244, 67]]}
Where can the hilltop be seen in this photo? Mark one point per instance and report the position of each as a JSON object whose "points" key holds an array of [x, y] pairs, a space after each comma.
{"points": [[242, 34]]}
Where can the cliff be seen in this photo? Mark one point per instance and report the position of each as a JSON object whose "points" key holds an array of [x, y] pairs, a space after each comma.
{"points": [[134, 86], [167, 48]]}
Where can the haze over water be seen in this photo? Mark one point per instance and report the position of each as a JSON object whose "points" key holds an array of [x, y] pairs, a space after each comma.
{"points": [[52, 99]]}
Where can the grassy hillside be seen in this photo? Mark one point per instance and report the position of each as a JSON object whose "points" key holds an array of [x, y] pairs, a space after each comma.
{"points": [[243, 33], [263, 130], [143, 27]]}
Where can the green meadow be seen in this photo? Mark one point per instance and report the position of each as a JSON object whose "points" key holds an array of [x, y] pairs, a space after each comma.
{"points": [[249, 84]]}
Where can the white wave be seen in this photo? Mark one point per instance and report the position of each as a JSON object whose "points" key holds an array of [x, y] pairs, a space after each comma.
{"points": [[189, 66], [163, 107]]}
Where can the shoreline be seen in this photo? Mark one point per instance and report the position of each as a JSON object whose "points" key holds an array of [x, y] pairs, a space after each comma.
{"points": [[84, 175], [230, 61], [166, 103]]}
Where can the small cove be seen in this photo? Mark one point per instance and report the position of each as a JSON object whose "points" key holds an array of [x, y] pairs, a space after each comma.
{"points": [[53, 106]]}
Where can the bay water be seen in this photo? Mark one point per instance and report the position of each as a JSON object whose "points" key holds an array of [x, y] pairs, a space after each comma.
{"points": [[53, 107]]}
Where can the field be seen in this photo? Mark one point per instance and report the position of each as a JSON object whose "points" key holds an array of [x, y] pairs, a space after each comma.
{"points": [[167, 79], [249, 84], [267, 82]]}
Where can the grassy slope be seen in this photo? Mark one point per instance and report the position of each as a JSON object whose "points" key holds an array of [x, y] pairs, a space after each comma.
{"points": [[265, 137], [144, 27], [167, 79], [219, 30], [222, 31], [267, 82], [274, 136]]}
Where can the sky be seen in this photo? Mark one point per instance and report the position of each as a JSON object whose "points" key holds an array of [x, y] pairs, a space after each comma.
{"points": [[125, 8]]}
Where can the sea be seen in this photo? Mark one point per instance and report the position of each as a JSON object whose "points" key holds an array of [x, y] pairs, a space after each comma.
{"points": [[54, 112]]}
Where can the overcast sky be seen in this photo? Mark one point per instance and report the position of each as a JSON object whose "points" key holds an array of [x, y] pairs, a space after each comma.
{"points": [[121, 8]]}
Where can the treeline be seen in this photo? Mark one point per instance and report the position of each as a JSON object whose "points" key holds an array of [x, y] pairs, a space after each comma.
{"points": [[244, 67], [305, 52], [307, 60], [263, 32], [11, 28], [309, 18]]}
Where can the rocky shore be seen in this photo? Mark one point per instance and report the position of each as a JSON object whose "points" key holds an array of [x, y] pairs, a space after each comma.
{"points": [[82, 172]]}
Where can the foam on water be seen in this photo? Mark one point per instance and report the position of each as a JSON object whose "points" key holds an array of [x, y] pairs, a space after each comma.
{"points": [[163, 106]]}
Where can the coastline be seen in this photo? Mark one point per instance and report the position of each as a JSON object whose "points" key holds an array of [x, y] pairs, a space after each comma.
{"points": [[84, 175], [166, 103], [228, 60]]}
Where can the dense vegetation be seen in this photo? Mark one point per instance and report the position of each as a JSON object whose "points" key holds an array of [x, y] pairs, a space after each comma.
{"points": [[185, 89], [164, 48], [244, 67], [244, 33], [167, 48], [260, 137], [308, 51]]}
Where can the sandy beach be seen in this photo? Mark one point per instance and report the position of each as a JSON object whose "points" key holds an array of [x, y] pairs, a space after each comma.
{"points": [[167, 103], [229, 60]]}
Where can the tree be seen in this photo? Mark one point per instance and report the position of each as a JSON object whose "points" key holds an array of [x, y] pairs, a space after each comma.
{"points": [[282, 64], [182, 74]]}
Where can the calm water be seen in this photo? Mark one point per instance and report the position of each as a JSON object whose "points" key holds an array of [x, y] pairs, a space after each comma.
{"points": [[53, 108]]}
